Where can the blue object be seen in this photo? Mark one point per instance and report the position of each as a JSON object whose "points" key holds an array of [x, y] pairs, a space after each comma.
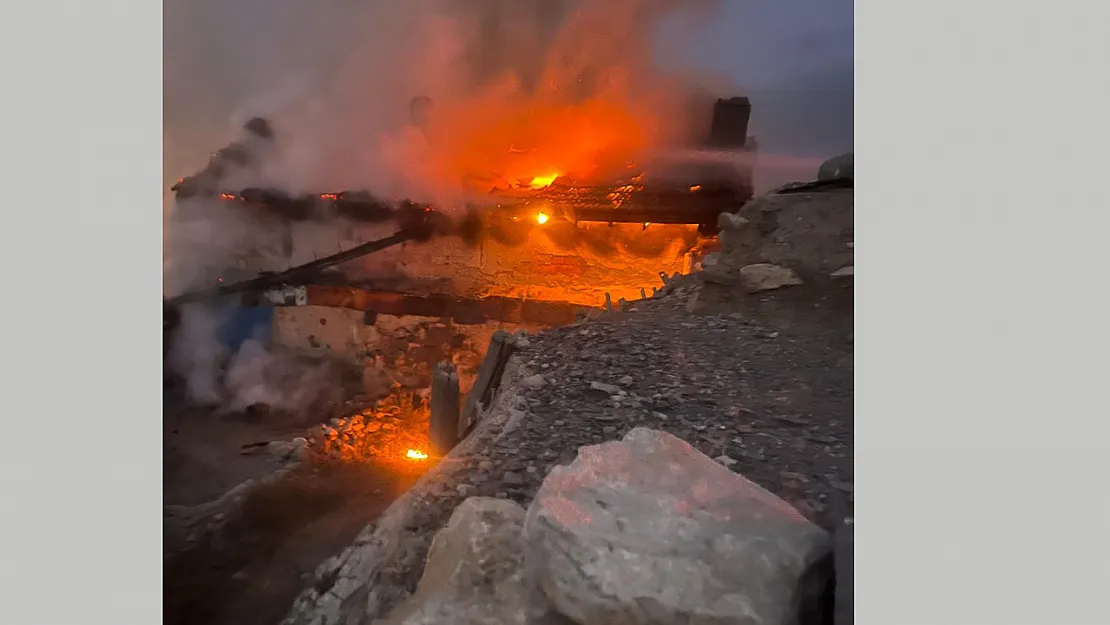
{"points": [[246, 323]]}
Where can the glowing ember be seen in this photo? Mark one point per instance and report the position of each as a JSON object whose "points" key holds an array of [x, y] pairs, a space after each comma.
{"points": [[413, 454], [542, 218], [542, 182], [695, 188]]}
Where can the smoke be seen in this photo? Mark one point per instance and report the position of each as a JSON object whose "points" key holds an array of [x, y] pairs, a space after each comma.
{"points": [[229, 380], [572, 80], [521, 88], [794, 59]]}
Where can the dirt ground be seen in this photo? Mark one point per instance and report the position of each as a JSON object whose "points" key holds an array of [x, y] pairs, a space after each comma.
{"points": [[268, 545]]}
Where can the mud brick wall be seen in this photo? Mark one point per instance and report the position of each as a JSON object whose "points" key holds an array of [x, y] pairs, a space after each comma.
{"points": [[397, 339]]}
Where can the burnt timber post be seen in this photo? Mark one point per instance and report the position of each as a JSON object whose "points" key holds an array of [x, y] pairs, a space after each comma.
{"points": [[443, 423], [730, 123], [489, 378]]}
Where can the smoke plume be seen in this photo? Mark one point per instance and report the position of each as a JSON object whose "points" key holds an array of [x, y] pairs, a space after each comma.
{"points": [[570, 83], [521, 88]]}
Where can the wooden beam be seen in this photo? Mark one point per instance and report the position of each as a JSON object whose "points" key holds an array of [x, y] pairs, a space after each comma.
{"points": [[443, 423], [489, 378]]}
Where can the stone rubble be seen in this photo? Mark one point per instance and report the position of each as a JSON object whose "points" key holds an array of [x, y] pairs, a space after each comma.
{"points": [[773, 404], [641, 531], [765, 277]]}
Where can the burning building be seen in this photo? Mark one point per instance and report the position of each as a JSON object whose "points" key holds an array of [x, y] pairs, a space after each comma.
{"points": [[410, 284], [549, 183]]}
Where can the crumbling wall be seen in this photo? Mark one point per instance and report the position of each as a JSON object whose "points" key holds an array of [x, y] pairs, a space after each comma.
{"points": [[396, 352]]}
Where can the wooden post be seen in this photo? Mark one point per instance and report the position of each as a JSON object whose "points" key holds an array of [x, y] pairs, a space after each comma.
{"points": [[489, 378], [608, 303], [664, 277], [643, 293], [443, 423]]}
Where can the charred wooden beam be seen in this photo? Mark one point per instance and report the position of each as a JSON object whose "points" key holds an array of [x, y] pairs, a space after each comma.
{"points": [[461, 310], [300, 273], [730, 123], [443, 422], [489, 379]]}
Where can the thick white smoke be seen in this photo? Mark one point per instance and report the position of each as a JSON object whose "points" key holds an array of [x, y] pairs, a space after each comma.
{"points": [[335, 78]]}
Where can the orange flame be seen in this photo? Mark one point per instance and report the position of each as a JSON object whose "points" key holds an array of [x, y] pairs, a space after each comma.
{"points": [[542, 182], [542, 218], [414, 454]]}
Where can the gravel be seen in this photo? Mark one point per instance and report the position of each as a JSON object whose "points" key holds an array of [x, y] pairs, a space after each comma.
{"points": [[773, 404]]}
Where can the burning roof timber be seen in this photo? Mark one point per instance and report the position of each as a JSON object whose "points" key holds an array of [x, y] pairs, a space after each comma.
{"points": [[697, 197]]}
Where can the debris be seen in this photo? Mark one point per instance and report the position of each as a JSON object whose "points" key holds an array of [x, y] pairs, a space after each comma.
{"points": [[606, 388], [534, 382], [766, 277]]}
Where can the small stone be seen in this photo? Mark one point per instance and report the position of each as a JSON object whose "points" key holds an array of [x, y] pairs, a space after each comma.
{"points": [[512, 478], [731, 221], [534, 382], [485, 465], [464, 490], [608, 389], [725, 460], [625, 381], [844, 272], [479, 478], [767, 277], [373, 426], [844, 486]]}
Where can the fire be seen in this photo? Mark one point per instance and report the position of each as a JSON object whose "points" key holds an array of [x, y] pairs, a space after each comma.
{"points": [[414, 454], [542, 218], [534, 139], [542, 182]]}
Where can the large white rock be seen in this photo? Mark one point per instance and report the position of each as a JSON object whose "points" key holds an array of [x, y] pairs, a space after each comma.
{"points": [[648, 530], [766, 277], [473, 575]]}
